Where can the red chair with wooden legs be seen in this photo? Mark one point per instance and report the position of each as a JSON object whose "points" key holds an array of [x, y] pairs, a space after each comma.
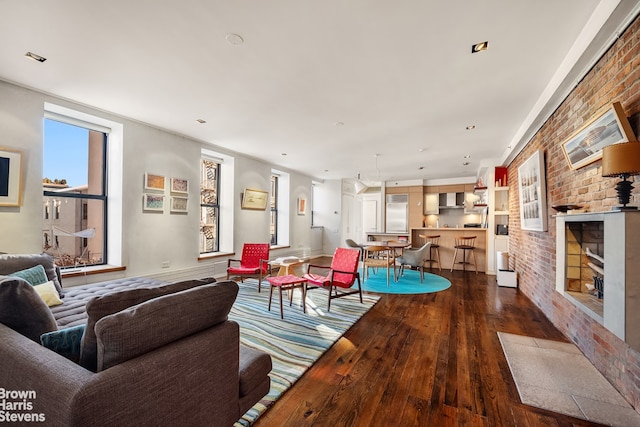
{"points": [[340, 277], [254, 263]]}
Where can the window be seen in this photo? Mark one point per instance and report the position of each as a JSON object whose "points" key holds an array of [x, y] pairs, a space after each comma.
{"points": [[280, 207], [209, 206], [74, 187], [273, 226]]}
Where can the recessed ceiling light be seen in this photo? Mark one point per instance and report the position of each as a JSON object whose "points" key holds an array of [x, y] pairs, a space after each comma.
{"points": [[479, 47], [234, 39], [471, 127], [339, 124], [421, 150], [201, 121], [468, 156], [465, 164], [420, 168], [35, 57]]}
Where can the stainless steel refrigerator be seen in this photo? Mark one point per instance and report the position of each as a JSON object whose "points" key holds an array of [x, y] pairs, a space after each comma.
{"points": [[397, 217]]}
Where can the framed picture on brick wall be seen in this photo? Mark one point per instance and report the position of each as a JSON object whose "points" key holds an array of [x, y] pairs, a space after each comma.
{"points": [[608, 127], [533, 193]]}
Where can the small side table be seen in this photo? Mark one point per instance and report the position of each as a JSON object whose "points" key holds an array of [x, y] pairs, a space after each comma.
{"points": [[286, 265], [288, 282]]}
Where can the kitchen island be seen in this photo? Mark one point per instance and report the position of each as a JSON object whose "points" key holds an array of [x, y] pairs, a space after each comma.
{"points": [[447, 241]]}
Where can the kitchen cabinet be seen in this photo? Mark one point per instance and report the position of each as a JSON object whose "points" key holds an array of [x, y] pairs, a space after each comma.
{"points": [[431, 204]]}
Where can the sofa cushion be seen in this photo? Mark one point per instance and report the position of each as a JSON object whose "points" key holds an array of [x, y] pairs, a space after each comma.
{"points": [[48, 293], [255, 366], [105, 305], [10, 263], [160, 321], [34, 275], [65, 342], [22, 309]]}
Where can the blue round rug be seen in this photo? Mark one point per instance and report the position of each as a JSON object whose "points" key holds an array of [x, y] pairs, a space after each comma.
{"points": [[409, 283]]}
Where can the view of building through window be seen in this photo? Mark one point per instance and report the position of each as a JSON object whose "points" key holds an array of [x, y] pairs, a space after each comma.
{"points": [[74, 194], [209, 206]]}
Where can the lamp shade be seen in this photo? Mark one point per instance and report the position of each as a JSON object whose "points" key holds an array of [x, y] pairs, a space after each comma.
{"points": [[360, 186], [621, 159]]}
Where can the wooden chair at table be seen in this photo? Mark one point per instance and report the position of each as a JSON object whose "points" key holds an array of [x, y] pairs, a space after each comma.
{"points": [[379, 257], [465, 243], [434, 254], [254, 263], [340, 276]]}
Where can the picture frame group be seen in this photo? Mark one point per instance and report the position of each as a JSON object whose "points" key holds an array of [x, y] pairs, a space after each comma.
{"points": [[154, 196]]}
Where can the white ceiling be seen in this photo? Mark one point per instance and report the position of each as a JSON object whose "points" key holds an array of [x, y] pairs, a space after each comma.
{"points": [[330, 83]]}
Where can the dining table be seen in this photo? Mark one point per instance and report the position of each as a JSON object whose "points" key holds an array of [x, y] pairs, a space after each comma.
{"points": [[393, 246]]}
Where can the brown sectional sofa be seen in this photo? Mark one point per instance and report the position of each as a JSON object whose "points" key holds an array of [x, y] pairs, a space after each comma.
{"points": [[151, 354]]}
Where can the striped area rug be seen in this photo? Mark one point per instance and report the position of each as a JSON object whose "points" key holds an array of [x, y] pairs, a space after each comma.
{"points": [[296, 342]]}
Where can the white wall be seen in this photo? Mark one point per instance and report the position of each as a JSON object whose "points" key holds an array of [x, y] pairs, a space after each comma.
{"points": [[148, 238], [328, 214]]}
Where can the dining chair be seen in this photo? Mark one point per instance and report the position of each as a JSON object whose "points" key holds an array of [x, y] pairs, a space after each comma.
{"points": [[379, 257], [414, 258], [352, 244]]}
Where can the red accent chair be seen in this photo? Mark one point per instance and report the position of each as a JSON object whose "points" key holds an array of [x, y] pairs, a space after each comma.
{"points": [[254, 263], [341, 276]]}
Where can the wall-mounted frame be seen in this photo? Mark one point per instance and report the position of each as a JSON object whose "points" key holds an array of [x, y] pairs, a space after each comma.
{"points": [[153, 182], [179, 186], [179, 204], [302, 206], [610, 126], [10, 177], [153, 203], [254, 199], [533, 193]]}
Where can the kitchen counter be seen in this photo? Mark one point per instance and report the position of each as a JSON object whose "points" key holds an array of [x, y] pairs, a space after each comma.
{"points": [[447, 241]]}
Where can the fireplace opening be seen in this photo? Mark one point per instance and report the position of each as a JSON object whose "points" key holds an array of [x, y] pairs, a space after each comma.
{"points": [[585, 280]]}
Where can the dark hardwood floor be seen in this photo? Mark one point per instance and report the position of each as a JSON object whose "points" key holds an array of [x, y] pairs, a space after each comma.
{"points": [[424, 360]]}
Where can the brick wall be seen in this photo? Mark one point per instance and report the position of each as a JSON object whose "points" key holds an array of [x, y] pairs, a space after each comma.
{"points": [[616, 77]]}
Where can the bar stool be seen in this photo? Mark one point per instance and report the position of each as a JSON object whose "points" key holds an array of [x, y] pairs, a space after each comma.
{"points": [[465, 243], [435, 249]]}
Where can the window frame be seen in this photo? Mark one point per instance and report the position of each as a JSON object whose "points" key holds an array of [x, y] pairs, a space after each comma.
{"points": [[103, 197]]}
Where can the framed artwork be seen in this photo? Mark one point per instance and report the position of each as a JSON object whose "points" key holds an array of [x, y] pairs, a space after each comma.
{"points": [[302, 206], [179, 204], [608, 127], [153, 182], [153, 202], [254, 199], [179, 186], [533, 193], [10, 177]]}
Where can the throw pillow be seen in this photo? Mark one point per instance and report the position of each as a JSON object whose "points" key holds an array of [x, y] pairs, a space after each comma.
{"points": [[22, 309], [65, 342], [48, 293], [105, 305], [34, 275], [10, 263], [161, 321]]}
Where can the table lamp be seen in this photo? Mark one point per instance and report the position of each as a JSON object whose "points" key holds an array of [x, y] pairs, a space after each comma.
{"points": [[622, 160]]}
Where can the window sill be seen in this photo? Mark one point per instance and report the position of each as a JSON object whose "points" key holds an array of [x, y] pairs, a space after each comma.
{"points": [[274, 247], [89, 271], [215, 255]]}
